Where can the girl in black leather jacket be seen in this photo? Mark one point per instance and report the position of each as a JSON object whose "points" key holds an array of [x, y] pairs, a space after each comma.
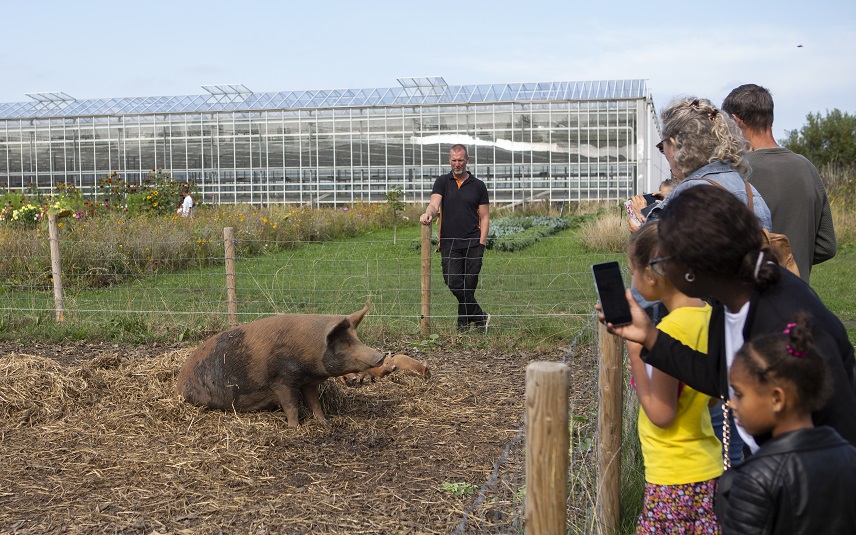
{"points": [[803, 479]]}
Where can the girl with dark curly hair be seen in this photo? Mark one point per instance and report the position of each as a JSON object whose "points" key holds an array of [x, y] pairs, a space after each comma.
{"points": [[803, 478]]}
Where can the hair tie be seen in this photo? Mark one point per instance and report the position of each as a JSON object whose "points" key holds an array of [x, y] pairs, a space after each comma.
{"points": [[758, 263], [794, 352], [712, 115]]}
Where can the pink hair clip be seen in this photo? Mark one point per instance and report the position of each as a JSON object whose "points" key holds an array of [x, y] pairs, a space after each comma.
{"points": [[791, 350], [794, 352]]}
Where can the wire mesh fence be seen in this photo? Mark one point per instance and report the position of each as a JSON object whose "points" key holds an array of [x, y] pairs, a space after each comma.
{"points": [[545, 291], [543, 294], [499, 505]]}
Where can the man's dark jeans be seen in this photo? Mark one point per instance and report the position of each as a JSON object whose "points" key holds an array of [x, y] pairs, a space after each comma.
{"points": [[461, 269]]}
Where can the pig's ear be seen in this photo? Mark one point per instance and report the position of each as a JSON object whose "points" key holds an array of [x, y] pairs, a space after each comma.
{"points": [[357, 316], [337, 329]]}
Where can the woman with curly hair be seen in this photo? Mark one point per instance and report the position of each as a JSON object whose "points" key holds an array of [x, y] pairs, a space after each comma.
{"points": [[704, 146]]}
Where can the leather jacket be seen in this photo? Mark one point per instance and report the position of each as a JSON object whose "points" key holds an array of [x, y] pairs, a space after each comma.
{"points": [[801, 482]]}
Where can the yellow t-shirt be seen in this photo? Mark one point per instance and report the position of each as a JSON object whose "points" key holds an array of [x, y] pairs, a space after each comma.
{"points": [[685, 451]]}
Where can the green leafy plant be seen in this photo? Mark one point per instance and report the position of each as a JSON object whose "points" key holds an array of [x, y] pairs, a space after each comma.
{"points": [[516, 233], [433, 340], [459, 488]]}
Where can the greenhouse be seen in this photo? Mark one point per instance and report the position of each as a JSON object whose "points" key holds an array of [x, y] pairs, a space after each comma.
{"points": [[556, 141]]}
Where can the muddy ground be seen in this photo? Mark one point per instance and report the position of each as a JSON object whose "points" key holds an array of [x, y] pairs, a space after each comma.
{"points": [[95, 441]]}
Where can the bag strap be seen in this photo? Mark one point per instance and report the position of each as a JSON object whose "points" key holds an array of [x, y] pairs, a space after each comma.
{"points": [[749, 200], [726, 434]]}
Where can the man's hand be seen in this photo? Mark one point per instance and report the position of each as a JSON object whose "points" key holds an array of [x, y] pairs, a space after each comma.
{"points": [[426, 218]]}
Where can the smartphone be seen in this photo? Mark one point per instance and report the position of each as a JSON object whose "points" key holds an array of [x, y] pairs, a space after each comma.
{"points": [[628, 207], [610, 293]]}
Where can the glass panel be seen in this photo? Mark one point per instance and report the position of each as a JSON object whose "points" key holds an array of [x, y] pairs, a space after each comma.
{"points": [[102, 156]]}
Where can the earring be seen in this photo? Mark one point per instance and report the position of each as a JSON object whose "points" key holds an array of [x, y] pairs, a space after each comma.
{"points": [[689, 276]]}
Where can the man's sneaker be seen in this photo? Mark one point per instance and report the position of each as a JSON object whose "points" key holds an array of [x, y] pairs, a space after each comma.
{"points": [[486, 323]]}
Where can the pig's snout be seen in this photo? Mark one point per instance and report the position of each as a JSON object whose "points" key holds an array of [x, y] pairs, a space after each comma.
{"points": [[377, 359]]}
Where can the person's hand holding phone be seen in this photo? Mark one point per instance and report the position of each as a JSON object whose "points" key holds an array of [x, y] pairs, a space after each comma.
{"points": [[640, 330]]}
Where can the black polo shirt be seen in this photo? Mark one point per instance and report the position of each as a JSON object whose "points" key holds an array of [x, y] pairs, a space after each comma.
{"points": [[459, 211]]}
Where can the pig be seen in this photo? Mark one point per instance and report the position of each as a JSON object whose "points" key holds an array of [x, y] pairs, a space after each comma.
{"points": [[405, 363], [390, 364], [269, 362]]}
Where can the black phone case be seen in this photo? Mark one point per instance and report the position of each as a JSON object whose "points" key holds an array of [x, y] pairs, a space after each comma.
{"points": [[611, 293]]}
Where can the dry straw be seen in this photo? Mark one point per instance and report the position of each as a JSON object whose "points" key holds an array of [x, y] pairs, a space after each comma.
{"points": [[96, 442]]}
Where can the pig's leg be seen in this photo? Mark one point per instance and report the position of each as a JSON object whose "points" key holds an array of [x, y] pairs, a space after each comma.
{"points": [[312, 395], [288, 400]]}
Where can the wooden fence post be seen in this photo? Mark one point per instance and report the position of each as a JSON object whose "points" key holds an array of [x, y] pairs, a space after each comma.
{"points": [[56, 267], [610, 385], [425, 316], [231, 295], [547, 443]]}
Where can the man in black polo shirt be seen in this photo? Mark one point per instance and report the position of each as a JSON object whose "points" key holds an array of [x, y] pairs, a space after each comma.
{"points": [[462, 200]]}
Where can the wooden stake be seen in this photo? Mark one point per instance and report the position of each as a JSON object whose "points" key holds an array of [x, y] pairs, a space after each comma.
{"points": [[56, 267], [547, 444], [231, 294], [610, 385], [427, 249]]}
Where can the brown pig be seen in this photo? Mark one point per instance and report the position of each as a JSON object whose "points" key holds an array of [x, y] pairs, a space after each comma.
{"points": [[405, 363], [269, 362], [390, 364]]}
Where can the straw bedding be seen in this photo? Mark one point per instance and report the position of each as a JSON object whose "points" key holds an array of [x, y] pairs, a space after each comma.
{"points": [[95, 441]]}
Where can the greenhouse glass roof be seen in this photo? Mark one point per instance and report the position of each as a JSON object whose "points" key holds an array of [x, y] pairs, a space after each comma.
{"points": [[236, 97]]}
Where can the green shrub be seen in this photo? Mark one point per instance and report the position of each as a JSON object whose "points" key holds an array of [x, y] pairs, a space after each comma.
{"points": [[515, 233], [105, 246]]}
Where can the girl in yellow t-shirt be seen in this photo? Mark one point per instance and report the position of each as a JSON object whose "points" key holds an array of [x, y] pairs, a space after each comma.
{"points": [[683, 458]]}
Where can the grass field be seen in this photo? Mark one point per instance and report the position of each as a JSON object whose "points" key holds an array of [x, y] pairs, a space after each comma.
{"points": [[538, 296]]}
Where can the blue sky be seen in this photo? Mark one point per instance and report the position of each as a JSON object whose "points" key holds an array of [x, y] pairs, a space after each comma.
{"points": [[101, 49]]}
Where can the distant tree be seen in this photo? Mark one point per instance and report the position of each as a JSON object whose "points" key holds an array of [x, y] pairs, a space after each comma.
{"points": [[825, 140], [395, 199]]}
